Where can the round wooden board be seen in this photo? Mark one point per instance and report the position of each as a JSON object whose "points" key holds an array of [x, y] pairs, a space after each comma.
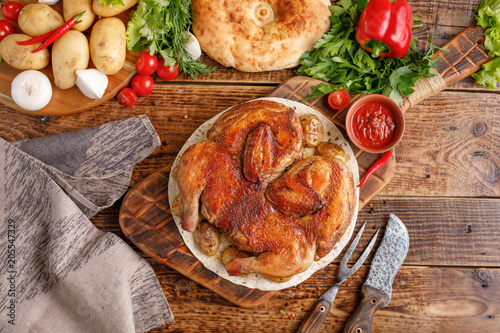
{"points": [[67, 101]]}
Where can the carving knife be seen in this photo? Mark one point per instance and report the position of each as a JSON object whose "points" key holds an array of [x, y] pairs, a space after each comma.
{"points": [[377, 289]]}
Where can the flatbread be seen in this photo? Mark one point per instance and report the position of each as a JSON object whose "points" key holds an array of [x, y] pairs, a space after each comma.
{"points": [[257, 281], [259, 35]]}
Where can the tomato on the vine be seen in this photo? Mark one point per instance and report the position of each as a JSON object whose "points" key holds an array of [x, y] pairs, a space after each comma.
{"points": [[11, 10], [167, 73], [6, 29], [127, 97], [146, 64], [339, 99], [142, 84]]}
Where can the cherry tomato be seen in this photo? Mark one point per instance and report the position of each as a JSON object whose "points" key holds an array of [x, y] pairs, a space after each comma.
{"points": [[127, 97], [6, 29], [143, 84], [339, 99], [11, 10], [167, 73], [146, 64]]}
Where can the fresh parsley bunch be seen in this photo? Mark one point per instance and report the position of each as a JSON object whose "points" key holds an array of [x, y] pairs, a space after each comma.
{"points": [[158, 25], [338, 59]]}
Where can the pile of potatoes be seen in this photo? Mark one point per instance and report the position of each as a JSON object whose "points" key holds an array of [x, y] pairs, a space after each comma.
{"points": [[72, 51]]}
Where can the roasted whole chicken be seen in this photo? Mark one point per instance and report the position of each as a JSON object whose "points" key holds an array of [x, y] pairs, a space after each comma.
{"points": [[250, 179]]}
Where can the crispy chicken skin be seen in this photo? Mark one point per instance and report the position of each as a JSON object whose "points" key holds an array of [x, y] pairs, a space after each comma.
{"points": [[319, 187], [284, 219], [267, 134]]}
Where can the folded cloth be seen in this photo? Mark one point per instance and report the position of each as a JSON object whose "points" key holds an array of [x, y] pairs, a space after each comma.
{"points": [[59, 273]]}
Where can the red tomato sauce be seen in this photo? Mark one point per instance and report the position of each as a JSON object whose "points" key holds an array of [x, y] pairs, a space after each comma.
{"points": [[373, 125]]}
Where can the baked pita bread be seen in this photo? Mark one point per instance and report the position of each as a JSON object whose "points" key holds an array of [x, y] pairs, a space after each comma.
{"points": [[257, 281], [256, 35]]}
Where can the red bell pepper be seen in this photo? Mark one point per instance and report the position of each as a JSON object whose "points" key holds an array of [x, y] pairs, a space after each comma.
{"points": [[384, 28]]}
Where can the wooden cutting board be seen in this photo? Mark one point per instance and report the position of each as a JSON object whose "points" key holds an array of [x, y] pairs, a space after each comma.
{"points": [[145, 216], [68, 101]]}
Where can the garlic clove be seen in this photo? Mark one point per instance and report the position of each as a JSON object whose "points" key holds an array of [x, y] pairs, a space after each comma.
{"points": [[192, 46], [49, 2], [31, 90], [91, 82]]}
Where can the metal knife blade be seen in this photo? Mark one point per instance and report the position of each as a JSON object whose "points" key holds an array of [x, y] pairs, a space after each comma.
{"points": [[377, 289], [389, 257]]}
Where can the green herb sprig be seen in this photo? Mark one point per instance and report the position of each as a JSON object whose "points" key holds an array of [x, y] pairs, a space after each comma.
{"points": [[339, 60], [158, 25]]}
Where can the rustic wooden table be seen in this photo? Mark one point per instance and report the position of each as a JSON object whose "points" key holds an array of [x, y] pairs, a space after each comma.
{"points": [[446, 190]]}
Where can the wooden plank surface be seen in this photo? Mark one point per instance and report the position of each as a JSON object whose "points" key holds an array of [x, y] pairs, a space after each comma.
{"points": [[450, 147], [436, 299], [435, 289], [426, 298]]}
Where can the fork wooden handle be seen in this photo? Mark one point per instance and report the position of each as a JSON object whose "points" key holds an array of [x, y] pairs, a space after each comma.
{"points": [[316, 317]]}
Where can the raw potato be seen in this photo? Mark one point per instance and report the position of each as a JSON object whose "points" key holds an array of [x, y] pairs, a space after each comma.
{"points": [[75, 7], [69, 53], [107, 11], [108, 47], [313, 130], [19, 56], [36, 19]]}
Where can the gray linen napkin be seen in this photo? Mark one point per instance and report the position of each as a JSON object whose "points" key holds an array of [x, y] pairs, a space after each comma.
{"points": [[58, 272]]}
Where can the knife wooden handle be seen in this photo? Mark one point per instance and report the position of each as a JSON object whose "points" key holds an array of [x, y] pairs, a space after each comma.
{"points": [[361, 319], [316, 317]]}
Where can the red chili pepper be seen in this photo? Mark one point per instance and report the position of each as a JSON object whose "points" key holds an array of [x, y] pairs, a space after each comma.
{"points": [[59, 32], [38, 39], [375, 166], [384, 28]]}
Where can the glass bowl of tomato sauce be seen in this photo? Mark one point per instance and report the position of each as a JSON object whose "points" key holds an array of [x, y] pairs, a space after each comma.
{"points": [[375, 123]]}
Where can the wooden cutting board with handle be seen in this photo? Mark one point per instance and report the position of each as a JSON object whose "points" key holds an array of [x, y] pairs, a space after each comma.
{"points": [[145, 216]]}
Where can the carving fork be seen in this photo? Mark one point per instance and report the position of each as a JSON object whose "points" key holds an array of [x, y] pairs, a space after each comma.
{"points": [[318, 314]]}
